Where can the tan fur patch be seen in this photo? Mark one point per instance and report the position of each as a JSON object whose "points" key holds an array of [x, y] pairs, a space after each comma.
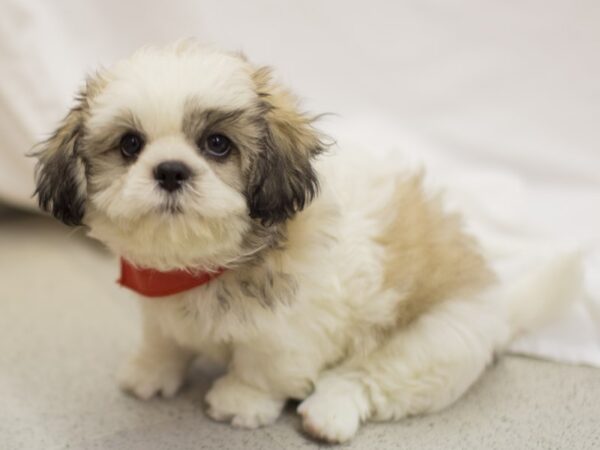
{"points": [[428, 255], [292, 129]]}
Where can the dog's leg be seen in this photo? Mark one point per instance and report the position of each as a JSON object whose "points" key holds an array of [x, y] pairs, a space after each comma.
{"points": [[244, 405], [158, 367], [421, 368], [262, 376]]}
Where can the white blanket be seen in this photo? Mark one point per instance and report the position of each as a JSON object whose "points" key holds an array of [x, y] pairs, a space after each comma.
{"points": [[500, 100]]}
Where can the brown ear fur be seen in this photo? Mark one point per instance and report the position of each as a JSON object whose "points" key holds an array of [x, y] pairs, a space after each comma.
{"points": [[60, 171], [282, 179]]}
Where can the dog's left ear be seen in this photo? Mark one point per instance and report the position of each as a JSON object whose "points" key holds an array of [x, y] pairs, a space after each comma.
{"points": [[282, 180]]}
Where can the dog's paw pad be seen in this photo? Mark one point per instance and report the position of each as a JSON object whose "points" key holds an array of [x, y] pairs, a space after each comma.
{"points": [[242, 405], [147, 382], [329, 418]]}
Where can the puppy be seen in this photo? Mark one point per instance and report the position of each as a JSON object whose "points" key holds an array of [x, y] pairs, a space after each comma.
{"points": [[329, 279]]}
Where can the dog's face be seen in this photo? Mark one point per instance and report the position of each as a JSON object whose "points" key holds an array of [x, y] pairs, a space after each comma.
{"points": [[180, 156]]}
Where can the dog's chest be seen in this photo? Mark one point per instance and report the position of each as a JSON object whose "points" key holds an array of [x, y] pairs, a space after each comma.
{"points": [[229, 308]]}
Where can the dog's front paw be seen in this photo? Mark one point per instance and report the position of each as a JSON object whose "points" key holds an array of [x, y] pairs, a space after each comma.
{"points": [[146, 379], [331, 420], [244, 406], [334, 411]]}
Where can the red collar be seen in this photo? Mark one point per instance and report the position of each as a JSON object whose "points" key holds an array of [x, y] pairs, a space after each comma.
{"points": [[154, 283]]}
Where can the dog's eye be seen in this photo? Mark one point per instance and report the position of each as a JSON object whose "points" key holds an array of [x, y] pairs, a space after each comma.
{"points": [[218, 145], [131, 145]]}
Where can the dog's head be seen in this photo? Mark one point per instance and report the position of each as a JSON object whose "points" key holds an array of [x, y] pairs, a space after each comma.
{"points": [[175, 155]]}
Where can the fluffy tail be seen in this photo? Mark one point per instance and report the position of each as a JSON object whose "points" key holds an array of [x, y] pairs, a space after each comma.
{"points": [[544, 291]]}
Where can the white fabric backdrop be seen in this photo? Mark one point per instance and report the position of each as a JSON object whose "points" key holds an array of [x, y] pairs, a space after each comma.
{"points": [[501, 99]]}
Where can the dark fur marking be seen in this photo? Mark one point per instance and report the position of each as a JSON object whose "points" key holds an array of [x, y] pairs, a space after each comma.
{"points": [[241, 126], [269, 277], [247, 289], [279, 184], [223, 296], [59, 174], [61, 184], [257, 292]]}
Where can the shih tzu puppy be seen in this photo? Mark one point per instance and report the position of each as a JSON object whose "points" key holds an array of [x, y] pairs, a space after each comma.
{"points": [[332, 280]]}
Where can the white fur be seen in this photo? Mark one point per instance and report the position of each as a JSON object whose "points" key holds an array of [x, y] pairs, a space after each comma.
{"points": [[154, 85], [320, 343], [156, 82], [284, 353]]}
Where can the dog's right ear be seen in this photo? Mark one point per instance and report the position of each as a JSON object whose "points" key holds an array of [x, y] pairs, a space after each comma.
{"points": [[60, 172]]}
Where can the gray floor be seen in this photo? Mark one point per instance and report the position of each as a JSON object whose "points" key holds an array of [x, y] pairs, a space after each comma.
{"points": [[65, 326]]}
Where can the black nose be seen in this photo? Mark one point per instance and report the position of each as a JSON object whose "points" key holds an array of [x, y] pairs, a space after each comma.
{"points": [[171, 175]]}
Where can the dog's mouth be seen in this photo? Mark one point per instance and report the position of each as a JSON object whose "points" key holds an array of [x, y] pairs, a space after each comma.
{"points": [[170, 202], [171, 206]]}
